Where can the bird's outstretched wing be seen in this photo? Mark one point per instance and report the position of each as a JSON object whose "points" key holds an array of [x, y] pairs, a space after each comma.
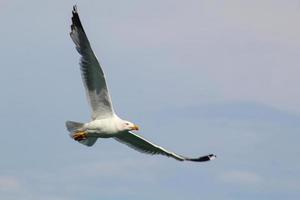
{"points": [[140, 144], [92, 74]]}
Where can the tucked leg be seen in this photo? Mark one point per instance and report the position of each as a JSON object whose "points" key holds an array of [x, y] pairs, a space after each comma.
{"points": [[80, 135]]}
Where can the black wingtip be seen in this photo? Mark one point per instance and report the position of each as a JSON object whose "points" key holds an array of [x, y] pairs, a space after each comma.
{"points": [[75, 19], [203, 158], [75, 9]]}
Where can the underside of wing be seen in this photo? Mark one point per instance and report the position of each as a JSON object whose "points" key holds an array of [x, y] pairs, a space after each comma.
{"points": [[140, 144], [92, 74]]}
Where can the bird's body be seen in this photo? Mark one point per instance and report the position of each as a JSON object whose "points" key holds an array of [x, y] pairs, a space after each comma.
{"points": [[105, 122], [103, 128]]}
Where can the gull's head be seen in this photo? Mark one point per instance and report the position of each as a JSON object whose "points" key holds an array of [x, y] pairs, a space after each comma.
{"points": [[129, 126]]}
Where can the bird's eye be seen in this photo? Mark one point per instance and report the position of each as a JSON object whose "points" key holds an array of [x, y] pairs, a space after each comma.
{"points": [[127, 123]]}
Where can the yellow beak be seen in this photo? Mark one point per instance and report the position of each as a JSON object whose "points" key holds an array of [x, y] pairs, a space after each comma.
{"points": [[135, 127]]}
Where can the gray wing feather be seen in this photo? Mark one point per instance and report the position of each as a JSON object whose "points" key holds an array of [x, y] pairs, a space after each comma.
{"points": [[142, 145], [92, 74]]}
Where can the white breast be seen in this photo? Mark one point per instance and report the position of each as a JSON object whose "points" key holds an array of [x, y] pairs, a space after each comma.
{"points": [[104, 127]]}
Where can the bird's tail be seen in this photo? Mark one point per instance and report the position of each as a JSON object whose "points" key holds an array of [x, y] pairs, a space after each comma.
{"points": [[73, 127]]}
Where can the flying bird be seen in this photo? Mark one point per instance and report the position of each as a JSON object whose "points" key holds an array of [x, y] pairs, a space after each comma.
{"points": [[105, 123]]}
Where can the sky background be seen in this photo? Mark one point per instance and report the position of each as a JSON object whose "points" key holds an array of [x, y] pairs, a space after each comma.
{"points": [[198, 77]]}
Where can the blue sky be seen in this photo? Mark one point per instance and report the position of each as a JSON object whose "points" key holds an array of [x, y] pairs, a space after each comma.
{"points": [[197, 76]]}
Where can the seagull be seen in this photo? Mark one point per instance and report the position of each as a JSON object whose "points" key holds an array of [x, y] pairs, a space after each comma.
{"points": [[105, 123]]}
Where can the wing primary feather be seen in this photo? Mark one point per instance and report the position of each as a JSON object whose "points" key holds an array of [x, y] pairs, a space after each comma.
{"points": [[144, 146], [75, 19], [91, 71], [202, 158]]}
